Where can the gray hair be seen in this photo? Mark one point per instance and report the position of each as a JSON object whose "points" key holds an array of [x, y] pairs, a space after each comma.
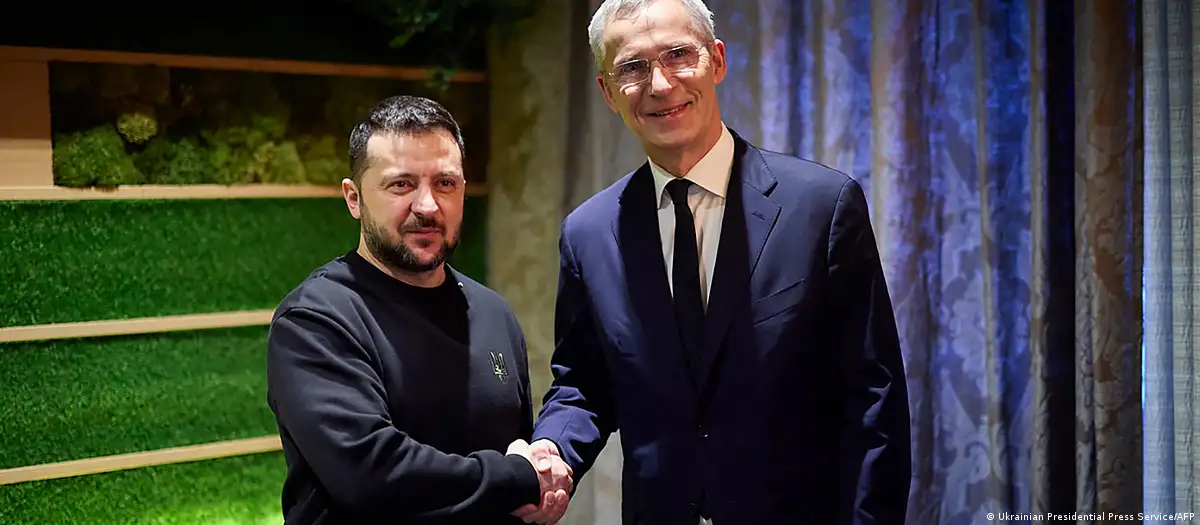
{"points": [[701, 21]]}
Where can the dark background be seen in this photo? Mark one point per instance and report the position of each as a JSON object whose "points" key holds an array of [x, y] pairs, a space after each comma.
{"points": [[321, 30]]}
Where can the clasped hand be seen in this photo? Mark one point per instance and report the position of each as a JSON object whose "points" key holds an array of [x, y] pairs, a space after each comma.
{"points": [[554, 477]]}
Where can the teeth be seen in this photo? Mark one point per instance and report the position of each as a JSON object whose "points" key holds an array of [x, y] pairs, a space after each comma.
{"points": [[668, 112]]}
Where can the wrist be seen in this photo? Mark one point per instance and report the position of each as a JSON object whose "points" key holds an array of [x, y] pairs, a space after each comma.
{"points": [[549, 442]]}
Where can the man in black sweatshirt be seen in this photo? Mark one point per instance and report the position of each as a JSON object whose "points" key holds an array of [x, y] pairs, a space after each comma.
{"points": [[397, 381]]}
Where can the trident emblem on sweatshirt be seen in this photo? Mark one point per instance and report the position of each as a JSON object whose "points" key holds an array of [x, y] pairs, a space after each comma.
{"points": [[498, 366]]}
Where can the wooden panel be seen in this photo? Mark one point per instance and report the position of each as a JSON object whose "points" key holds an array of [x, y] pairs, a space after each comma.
{"points": [[82, 467], [40, 54], [25, 147], [144, 325]]}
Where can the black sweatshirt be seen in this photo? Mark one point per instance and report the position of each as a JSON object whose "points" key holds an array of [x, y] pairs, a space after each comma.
{"points": [[395, 403]]}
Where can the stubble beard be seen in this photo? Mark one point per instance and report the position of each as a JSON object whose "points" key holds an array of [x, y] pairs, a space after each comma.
{"points": [[395, 254]]}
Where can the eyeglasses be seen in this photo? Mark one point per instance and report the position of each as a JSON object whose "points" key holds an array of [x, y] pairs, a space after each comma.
{"points": [[675, 60]]}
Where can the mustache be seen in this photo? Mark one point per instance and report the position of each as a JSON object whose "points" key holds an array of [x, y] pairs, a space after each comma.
{"points": [[421, 223]]}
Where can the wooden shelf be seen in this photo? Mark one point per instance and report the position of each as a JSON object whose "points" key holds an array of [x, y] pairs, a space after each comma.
{"points": [[140, 325], [26, 148], [188, 191], [295, 67], [97, 465]]}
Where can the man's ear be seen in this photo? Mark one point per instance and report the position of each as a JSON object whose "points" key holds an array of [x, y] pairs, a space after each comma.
{"points": [[352, 196], [718, 60], [608, 99]]}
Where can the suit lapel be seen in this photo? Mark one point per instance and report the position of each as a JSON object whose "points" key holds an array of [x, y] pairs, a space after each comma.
{"points": [[750, 215], [640, 246]]}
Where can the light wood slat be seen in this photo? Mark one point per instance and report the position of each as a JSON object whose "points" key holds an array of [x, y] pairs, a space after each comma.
{"points": [[81, 467], [186, 191], [25, 141], [143, 325], [298, 67]]}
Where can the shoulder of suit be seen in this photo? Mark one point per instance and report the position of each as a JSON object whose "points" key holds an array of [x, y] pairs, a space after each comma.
{"points": [[599, 209], [795, 170], [802, 182]]}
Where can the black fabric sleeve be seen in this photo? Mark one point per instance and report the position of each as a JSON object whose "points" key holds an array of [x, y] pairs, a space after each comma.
{"points": [[526, 392], [332, 403]]}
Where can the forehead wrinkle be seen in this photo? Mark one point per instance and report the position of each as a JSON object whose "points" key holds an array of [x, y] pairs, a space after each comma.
{"points": [[647, 42], [655, 43]]}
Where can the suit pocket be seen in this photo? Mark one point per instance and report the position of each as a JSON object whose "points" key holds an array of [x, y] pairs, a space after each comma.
{"points": [[779, 302]]}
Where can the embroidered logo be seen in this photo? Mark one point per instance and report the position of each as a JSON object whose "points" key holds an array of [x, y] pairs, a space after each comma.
{"points": [[499, 367]]}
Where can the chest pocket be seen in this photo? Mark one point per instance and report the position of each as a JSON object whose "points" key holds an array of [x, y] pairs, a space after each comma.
{"points": [[778, 304]]}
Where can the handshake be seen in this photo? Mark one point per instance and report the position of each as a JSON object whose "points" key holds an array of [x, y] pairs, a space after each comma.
{"points": [[554, 476]]}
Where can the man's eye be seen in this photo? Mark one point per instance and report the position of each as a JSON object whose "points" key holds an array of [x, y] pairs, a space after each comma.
{"points": [[629, 68]]}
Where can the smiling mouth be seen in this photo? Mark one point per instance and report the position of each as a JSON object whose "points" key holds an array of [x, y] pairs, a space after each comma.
{"points": [[670, 111]]}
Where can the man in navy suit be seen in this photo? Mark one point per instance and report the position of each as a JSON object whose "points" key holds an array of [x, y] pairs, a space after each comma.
{"points": [[724, 307]]}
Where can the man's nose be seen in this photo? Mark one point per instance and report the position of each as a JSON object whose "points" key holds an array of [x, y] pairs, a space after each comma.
{"points": [[660, 81], [424, 203]]}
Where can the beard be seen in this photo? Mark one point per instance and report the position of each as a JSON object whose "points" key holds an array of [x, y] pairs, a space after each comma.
{"points": [[397, 255]]}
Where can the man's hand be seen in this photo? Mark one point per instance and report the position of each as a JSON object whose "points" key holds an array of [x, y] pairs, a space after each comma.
{"points": [[555, 477]]}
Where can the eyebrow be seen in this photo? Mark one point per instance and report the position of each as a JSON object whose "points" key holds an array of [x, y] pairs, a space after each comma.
{"points": [[404, 175], [620, 59]]}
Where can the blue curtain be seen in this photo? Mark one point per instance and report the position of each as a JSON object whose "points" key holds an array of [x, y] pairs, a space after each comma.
{"points": [[1000, 145], [1172, 244]]}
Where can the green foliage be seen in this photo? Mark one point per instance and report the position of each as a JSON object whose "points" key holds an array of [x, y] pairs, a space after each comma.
{"points": [[238, 490], [118, 124], [183, 161], [323, 162], [278, 163], [458, 22], [137, 127], [79, 398], [93, 157], [126, 124], [117, 259], [441, 18]]}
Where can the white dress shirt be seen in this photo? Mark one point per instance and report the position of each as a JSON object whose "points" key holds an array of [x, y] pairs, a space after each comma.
{"points": [[706, 198]]}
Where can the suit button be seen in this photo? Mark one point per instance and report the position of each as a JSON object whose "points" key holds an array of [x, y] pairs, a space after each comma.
{"points": [[701, 432]]}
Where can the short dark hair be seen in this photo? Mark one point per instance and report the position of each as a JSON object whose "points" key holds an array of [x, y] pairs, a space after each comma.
{"points": [[402, 114]]}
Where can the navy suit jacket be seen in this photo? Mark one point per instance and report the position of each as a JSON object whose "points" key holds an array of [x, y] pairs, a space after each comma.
{"points": [[801, 414]]}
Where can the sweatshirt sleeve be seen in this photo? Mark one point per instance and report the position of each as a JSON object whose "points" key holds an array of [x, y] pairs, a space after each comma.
{"points": [[333, 405], [525, 389]]}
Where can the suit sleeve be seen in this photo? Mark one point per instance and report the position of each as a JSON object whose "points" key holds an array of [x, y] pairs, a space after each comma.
{"points": [[875, 464], [578, 410], [332, 404]]}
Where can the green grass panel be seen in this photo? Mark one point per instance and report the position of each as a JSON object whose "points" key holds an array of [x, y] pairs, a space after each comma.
{"points": [[92, 260], [73, 399], [242, 490]]}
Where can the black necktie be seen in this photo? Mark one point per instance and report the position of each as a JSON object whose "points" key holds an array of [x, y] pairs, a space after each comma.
{"points": [[685, 275]]}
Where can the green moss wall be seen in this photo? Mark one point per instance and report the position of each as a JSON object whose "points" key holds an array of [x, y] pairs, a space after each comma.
{"points": [[80, 398]]}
